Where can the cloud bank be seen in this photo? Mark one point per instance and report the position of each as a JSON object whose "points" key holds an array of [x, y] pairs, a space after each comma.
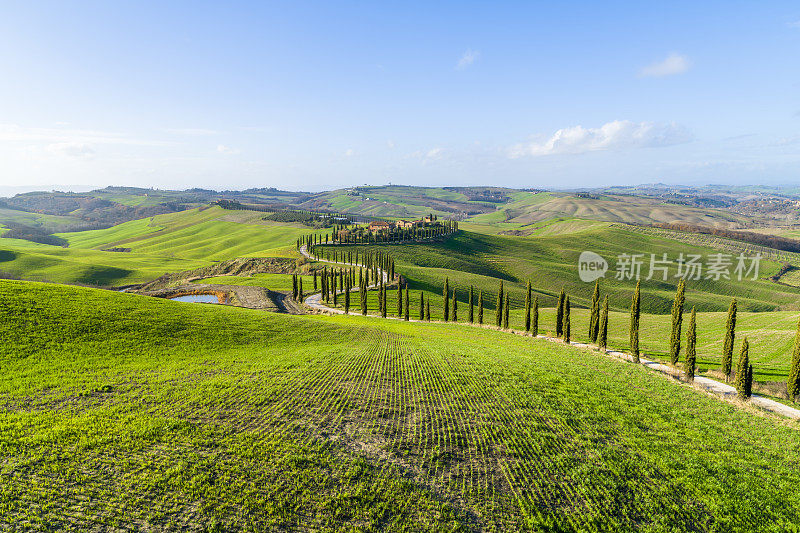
{"points": [[616, 135]]}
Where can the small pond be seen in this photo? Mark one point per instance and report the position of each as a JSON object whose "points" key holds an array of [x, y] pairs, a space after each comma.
{"points": [[197, 298]]}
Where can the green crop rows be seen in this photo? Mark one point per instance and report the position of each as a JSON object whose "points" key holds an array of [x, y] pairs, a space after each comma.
{"points": [[121, 411]]}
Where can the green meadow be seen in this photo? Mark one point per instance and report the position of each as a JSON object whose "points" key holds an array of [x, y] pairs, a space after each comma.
{"points": [[128, 411], [157, 245]]}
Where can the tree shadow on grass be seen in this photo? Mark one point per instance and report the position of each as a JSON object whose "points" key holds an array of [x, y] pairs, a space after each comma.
{"points": [[103, 275], [7, 255]]}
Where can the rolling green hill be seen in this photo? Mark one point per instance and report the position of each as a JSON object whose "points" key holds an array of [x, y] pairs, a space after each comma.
{"points": [[42, 262], [608, 208], [550, 262], [155, 246], [396, 201], [123, 411], [206, 233]]}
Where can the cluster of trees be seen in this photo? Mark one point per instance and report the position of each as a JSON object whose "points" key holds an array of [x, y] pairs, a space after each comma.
{"points": [[297, 287], [344, 234], [373, 262], [362, 235], [760, 239], [309, 218]]}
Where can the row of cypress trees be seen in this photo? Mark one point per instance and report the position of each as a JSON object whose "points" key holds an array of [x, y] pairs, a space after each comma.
{"points": [[598, 318], [744, 370], [598, 333]]}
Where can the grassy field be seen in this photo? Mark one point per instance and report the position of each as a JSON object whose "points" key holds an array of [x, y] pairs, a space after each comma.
{"points": [[42, 262], [608, 208], [770, 335], [122, 411], [210, 234], [395, 201], [160, 244], [550, 263]]}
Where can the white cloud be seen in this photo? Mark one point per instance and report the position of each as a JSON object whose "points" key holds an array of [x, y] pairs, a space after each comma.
{"points": [[72, 149], [673, 64], [426, 156], [16, 133], [227, 150], [194, 132], [616, 135], [349, 152], [434, 153], [467, 59]]}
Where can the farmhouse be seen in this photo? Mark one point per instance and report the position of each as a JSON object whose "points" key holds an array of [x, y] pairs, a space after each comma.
{"points": [[407, 223], [379, 225]]}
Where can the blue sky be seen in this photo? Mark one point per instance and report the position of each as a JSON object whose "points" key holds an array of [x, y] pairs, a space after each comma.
{"points": [[313, 96]]}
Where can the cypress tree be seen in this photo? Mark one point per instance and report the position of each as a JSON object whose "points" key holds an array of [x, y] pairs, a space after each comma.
{"points": [[535, 317], [300, 288], [528, 307], [480, 306], [399, 301], [406, 308], [335, 292], [294, 286], [428, 309], [471, 304], [455, 306], [567, 327], [421, 306], [347, 302], [385, 297], [602, 340], [691, 347], [748, 389], [363, 295], [315, 281], [634, 329], [677, 319], [560, 314], [594, 315], [730, 335], [742, 371], [498, 319], [793, 383], [446, 298], [505, 313]]}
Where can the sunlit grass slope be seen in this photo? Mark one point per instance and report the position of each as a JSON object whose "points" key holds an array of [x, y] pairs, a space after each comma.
{"points": [[43, 262], [769, 334], [121, 411], [209, 234], [161, 244]]}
